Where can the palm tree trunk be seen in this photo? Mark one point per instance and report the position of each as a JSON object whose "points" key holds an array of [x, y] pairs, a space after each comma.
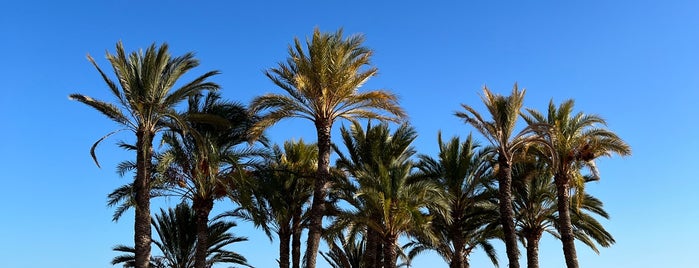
{"points": [[296, 230], [565, 226], [315, 227], [202, 208], [389, 252], [142, 223], [457, 259], [533, 249], [371, 249], [506, 211], [284, 239]]}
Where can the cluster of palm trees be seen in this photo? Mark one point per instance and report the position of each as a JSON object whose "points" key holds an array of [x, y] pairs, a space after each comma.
{"points": [[380, 202]]}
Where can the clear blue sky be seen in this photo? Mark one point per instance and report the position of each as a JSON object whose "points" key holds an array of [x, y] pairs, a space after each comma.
{"points": [[636, 63]]}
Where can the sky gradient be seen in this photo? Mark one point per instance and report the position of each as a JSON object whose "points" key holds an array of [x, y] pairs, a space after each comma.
{"points": [[635, 63]]}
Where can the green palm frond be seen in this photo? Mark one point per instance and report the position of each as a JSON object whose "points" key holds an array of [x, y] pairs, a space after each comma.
{"points": [[322, 82]]}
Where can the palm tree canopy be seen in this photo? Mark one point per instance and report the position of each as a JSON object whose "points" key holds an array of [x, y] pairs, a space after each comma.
{"points": [[144, 88], [463, 172], [322, 83], [504, 112], [176, 229], [389, 199], [577, 139], [203, 154]]}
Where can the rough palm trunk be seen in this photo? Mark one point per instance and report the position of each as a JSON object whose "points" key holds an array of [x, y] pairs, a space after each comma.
{"points": [[370, 250], [533, 249], [296, 239], [315, 227], [142, 226], [506, 211], [284, 239], [202, 208], [389, 251], [565, 226], [457, 260]]}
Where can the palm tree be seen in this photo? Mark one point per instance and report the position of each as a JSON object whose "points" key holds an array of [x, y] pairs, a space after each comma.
{"points": [[177, 233], [145, 99], [464, 174], [322, 85], [504, 112], [392, 198], [202, 160], [536, 211], [283, 189], [576, 141]]}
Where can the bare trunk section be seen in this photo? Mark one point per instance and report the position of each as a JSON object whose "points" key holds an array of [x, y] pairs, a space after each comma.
{"points": [[142, 223], [457, 260], [533, 249], [565, 226], [315, 227], [296, 230], [370, 249], [506, 212], [389, 251], [284, 239], [202, 208]]}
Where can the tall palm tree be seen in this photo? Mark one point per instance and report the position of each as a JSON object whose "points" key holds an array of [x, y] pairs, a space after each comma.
{"points": [[145, 99], [464, 174], [322, 83], [392, 198], [576, 141], [536, 211], [202, 161], [504, 112], [283, 189], [177, 239]]}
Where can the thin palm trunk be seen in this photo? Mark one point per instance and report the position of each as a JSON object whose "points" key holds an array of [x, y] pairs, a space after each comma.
{"points": [[296, 239], [564, 222], [202, 209], [389, 252], [533, 249], [142, 223], [315, 227], [284, 240], [506, 211]]}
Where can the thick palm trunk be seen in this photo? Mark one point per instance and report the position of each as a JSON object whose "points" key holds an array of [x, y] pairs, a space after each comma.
{"points": [[371, 250], [202, 208], [296, 230], [315, 227], [565, 226], [389, 252], [506, 211], [284, 239], [142, 223], [533, 249], [457, 260]]}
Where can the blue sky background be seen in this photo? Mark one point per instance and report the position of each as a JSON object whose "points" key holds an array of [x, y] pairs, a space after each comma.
{"points": [[636, 63]]}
